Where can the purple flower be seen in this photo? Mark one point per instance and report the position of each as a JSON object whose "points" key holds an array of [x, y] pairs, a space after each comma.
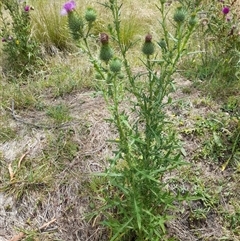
{"points": [[68, 7], [27, 8], [225, 10], [4, 40]]}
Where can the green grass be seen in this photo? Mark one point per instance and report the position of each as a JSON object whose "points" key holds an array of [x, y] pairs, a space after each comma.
{"points": [[30, 176], [59, 113], [7, 133]]}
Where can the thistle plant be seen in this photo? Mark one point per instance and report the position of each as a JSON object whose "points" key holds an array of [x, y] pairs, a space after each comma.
{"points": [[21, 51], [138, 200], [220, 31]]}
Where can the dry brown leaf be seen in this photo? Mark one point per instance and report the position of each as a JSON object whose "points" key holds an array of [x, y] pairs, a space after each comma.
{"points": [[11, 173], [22, 157], [47, 224]]}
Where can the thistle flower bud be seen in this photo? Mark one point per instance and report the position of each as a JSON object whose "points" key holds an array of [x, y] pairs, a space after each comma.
{"points": [[115, 65], [104, 38], [198, 2], [179, 16], [162, 44], [148, 38], [27, 8], [225, 10], [121, 76], [192, 21], [90, 15], [106, 52], [148, 47], [98, 76], [75, 24]]}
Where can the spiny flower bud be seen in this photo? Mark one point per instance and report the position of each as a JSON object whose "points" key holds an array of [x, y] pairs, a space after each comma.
{"points": [[179, 15], [106, 52], [76, 25], [98, 76], [163, 44], [121, 76], [115, 65], [192, 21], [90, 15], [148, 47], [197, 2]]}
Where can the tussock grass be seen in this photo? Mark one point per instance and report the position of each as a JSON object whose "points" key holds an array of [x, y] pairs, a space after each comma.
{"points": [[49, 27]]}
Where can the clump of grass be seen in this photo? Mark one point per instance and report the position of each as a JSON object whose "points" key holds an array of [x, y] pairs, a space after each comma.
{"points": [[27, 173], [61, 149], [61, 78], [49, 28], [59, 113], [26, 176], [7, 133], [66, 77], [18, 95]]}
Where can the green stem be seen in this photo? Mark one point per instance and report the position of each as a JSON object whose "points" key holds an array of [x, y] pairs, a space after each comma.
{"points": [[150, 81], [116, 19], [163, 23], [93, 60], [117, 117]]}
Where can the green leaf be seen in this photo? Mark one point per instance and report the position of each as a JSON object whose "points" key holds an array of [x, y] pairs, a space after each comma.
{"points": [[225, 164], [183, 152], [120, 230], [150, 177], [112, 174], [138, 215], [217, 139]]}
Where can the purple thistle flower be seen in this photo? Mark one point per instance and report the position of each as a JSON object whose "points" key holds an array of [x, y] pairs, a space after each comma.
{"points": [[225, 10], [68, 7], [27, 8]]}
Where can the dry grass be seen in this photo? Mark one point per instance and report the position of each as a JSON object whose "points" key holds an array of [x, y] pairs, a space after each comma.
{"points": [[67, 194]]}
